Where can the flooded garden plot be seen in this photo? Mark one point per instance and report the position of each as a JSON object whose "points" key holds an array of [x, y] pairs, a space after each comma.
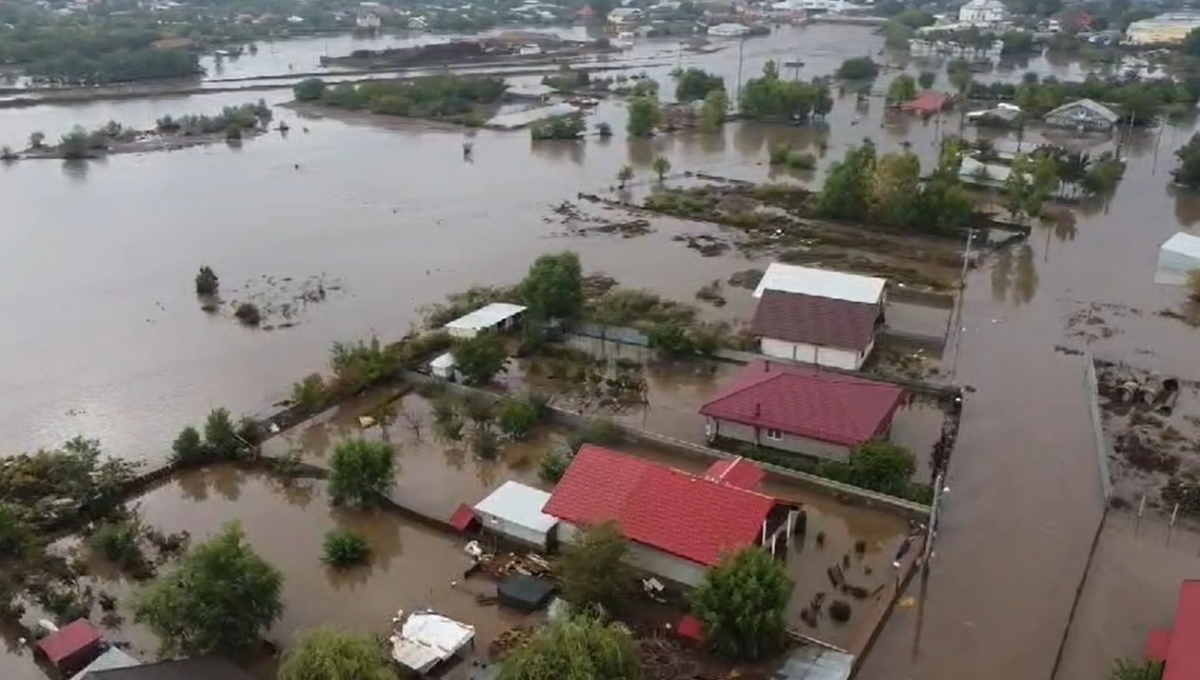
{"points": [[1152, 421]]}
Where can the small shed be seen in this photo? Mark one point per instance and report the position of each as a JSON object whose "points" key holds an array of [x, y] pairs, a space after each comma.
{"points": [[524, 593], [427, 639], [1178, 256], [498, 316], [71, 647], [515, 511], [444, 367]]}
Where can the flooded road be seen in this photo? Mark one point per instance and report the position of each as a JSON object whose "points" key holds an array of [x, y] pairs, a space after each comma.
{"points": [[104, 337]]}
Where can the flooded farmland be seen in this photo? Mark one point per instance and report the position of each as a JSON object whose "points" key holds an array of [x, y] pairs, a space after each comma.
{"points": [[104, 338]]}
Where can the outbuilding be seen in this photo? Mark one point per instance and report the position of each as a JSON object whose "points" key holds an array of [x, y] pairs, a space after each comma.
{"points": [[1083, 115], [514, 511], [1179, 256], [498, 316], [73, 646], [444, 366], [817, 316]]}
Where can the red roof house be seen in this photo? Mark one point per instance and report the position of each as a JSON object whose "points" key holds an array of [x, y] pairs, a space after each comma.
{"points": [[802, 409], [928, 103], [71, 647], [679, 525], [1177, 647]]}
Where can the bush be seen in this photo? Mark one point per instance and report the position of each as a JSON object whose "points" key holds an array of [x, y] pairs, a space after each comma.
{"points": [[221, 437], [207, 282], [858, 68], [118, 541], [248, 313], [484, 442], [671, 339], [517, 418], [878, 465], [311, 392], [553, 465], [188, 447], [344, 548], [309, 89]]}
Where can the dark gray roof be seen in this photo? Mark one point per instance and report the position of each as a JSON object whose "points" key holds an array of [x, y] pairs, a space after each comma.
{"points": [[186, 669]]}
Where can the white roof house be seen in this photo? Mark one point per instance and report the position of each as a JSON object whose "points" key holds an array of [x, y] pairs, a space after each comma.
{"points": [[496, 316], [515, 511], [790, 278], [427, 639], [1178, 256]]}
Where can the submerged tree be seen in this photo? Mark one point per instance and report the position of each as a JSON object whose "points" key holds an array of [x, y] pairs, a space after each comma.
{"points": [[332, 653], [207, 282], [481, 358], [624, 175], [661, 166], [362, 473], [742, 604], [577, 648], [1187, 172], [553, 287], [644, 116], [592, 569], [220, 601]]}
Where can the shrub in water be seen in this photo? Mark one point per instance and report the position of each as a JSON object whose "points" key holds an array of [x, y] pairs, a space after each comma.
{"points": [[345, 548]]}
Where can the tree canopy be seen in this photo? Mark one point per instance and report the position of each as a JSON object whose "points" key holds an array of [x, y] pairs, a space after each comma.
{"points": [[742, 604], [878, 465], [553, 287], [903, 88], [772, 97], [220, 601], [481, 358], [857, 68], [1187, 172], [592, 568], [578, 648], [695, 84], [331, 653], [644, 115], [362, 473]]}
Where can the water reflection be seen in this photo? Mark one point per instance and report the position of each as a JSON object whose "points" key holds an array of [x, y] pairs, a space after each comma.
{"points": [[642, 151], [559, 150], [225, 480], [76, 170], [1187, 205]]}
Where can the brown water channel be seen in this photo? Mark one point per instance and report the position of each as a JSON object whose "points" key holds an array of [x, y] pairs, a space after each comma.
{"points": [[104, 338]]}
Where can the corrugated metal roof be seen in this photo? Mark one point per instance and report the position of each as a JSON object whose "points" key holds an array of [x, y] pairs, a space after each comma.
{"points": [[1091, 105], [791, 278], [520, 504], [486, 317], [427, 639], [113, 659], [815, 663]]}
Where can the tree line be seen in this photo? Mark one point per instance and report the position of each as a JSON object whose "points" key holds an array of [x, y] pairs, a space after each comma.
{"points": [[1138, 101], [444, 97]]}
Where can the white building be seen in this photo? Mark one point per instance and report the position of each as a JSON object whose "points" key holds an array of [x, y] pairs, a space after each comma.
{"points": [[368, 20], [983, 13], [1179, 256], [1165, 29], [514, 511], [818, 316], [498, 316]]}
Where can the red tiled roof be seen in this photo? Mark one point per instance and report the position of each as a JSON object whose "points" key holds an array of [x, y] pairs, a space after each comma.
{"points": [[1183, 654], [69, 641], [463, 517], [815, 320], [676, 512], [736, 471], [830, 407], [929, 101]]}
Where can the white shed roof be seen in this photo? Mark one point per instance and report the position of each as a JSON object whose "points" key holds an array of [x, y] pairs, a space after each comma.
{"points": [[520, 504], [821, 283], [426, 639], [1176, 258], [444, 361], [486, 317]]}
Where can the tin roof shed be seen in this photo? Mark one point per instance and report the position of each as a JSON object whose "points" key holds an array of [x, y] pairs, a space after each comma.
{"points": [[825, 283], [515, 510], [1178, 256], [493, 316]]}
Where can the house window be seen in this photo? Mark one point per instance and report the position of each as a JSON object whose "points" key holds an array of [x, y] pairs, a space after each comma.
{"points": [[774, 434]]}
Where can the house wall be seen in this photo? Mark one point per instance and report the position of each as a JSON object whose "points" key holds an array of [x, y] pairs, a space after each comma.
{"points": [[651, 561], [514, 531], [812, 354], [791, 443]]}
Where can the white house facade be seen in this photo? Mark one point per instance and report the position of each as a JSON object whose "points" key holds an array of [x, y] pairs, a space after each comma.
{"points": [[983, 12]]}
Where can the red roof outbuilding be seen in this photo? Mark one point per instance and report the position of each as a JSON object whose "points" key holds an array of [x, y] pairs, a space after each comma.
{"points": [[73, 646], [1178, 647], [807, 402], [463, 518], [736, 471], [927, 103], [688, 516]]}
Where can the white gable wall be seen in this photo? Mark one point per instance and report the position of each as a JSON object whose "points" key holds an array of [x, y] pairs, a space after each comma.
{"points": [[652, 561]]}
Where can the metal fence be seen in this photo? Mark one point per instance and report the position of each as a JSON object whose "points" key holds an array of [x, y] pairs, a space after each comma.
{"points": [[1102, 445]]}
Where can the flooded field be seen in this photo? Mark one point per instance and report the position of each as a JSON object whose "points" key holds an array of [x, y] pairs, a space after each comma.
{"points": [[104, 337]]}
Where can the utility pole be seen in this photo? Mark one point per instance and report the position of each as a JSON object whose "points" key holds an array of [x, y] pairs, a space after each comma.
{"points": [[737, 94], [957, 314]]}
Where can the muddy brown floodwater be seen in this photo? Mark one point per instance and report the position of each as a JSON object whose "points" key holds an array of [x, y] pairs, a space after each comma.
{"points": [[103, 337]]}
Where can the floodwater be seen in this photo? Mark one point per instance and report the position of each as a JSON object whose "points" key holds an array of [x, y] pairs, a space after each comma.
{"points": [[104, 338]]}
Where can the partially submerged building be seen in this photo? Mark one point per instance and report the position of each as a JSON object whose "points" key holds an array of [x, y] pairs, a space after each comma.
{"points": [[427, 639], [1177, 258], [514, 511], [679, 525], [818, 316], [1083, 115], [802, 410]]}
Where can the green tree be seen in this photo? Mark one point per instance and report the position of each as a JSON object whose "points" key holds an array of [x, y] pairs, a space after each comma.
{"points": [[207, 282], [593, 571], [1136, 669], [220, 601], [578, 648], [221, 437], [644, 116], [331, 653], [361, 473], [902, 89], [553, 287], [712, 113], [857, 68], [926, 79], [344, 548], [624, 175], [189, 447], [75, 144], [695, 84], [309, 89], [742, 604], [847, 191], [1187, 172], [896, 188], [878, 465], [517, 418], [480, 358], [311, 392], [661, 167]]}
